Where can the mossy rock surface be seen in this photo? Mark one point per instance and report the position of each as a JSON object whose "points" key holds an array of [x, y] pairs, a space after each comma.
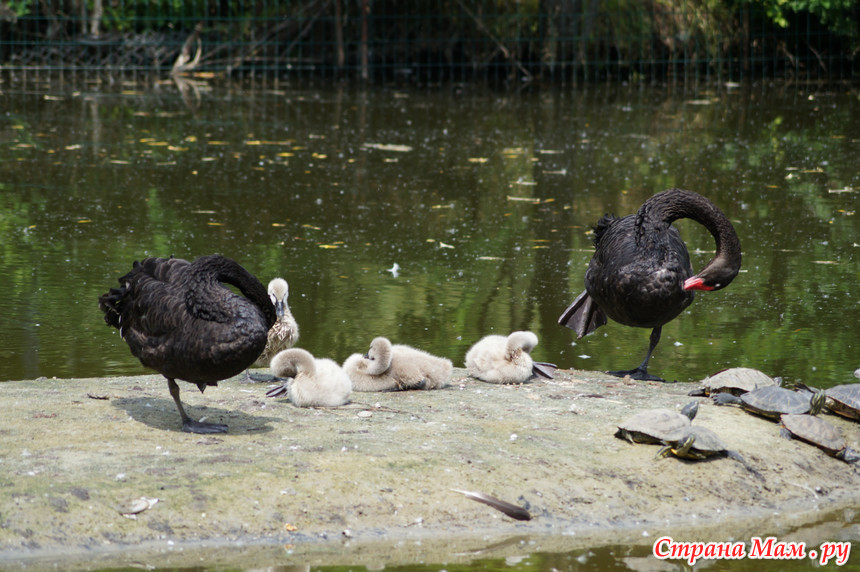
{"points": [[77, 453]]}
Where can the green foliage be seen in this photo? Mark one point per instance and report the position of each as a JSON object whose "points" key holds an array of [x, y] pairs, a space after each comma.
{"points": [[837, 16]]}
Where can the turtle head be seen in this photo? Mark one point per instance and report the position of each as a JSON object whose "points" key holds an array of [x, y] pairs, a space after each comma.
{"points": [[816, 402], [691, 409]]}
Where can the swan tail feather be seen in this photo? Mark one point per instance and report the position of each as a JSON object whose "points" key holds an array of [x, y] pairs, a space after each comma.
{"points": [[583, 316]]}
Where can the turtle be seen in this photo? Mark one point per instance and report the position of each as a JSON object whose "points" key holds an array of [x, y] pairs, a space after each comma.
{"points": [[844, 400], [694, 442], [735, 380], [697, 442], [657, 425], [773, 401], [819, 432]]}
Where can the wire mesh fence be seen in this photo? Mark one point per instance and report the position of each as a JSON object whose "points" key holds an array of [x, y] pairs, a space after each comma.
{"points": [[438, 40]]}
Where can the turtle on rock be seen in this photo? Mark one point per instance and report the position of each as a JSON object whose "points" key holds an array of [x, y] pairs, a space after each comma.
{"points": [[773, 401], [735, 380], [844, 400], [819, 432], [657, 425], [698, 443]]}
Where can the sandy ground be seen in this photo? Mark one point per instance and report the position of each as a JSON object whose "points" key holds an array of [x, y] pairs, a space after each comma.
{"points": [[372, 482]]}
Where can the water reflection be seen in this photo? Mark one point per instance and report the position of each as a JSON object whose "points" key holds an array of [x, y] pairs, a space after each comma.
{"points": [[483, 200], [525, 553]]}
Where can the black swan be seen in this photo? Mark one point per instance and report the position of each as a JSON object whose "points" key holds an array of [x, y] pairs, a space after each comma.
{"points": [[179, 319], [640, 274]]}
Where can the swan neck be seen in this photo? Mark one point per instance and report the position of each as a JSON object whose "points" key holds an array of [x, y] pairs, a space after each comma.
{"points": [[230, 272], [661, 210]]}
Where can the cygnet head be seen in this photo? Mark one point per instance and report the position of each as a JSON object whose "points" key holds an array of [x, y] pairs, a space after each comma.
{"points": [[379, 356], [525, 341], [279, 291], [288, 363]]}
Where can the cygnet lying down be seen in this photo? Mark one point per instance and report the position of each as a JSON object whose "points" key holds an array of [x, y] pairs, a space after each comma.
{"points": [[500, 359], [315, 382], [387, 367]]}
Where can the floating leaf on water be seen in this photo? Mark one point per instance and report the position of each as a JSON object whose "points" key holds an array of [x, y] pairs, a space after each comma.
{"points": [[525, 199], [825, 262], [443, 245], [490, 258], [319, 155], [310, 226], [549, 152], [388, 147], [84, 221], [329, 246], [119, 162], [217, 143], [477, 159], [213, 223], [285, 154], [72, 147], [202, 212]]}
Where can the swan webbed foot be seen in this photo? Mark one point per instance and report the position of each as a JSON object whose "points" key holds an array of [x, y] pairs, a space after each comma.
{"points": [[280, 390], [192, 426], [639, 374]]}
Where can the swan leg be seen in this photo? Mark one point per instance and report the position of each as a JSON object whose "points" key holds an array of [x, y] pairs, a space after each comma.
{"points": [[188, 424], [641, 372]]}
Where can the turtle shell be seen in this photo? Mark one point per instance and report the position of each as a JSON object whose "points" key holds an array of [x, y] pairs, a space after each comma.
{"points": [[815, 431], [653, 426], [706, 443], [737, 381], [775, 401], [844, 400]]}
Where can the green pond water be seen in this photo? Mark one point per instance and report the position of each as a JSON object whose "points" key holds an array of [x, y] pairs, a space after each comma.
{"points": [[435, 217], [483, 200]]}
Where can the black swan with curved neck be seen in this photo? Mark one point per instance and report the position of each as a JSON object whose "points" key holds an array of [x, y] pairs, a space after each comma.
{"points": [[640, 274], [179, 319]]}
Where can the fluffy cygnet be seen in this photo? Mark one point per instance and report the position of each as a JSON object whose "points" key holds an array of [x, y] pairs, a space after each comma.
{"points": [[285, 332], [315, 382], [387, 367], [500, 359]]}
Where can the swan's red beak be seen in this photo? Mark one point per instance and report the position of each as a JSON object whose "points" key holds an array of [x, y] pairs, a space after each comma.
{"points": [[696, 283]]}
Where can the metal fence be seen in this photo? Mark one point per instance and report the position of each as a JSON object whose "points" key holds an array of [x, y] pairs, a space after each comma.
{"points": [[435, 40]]}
